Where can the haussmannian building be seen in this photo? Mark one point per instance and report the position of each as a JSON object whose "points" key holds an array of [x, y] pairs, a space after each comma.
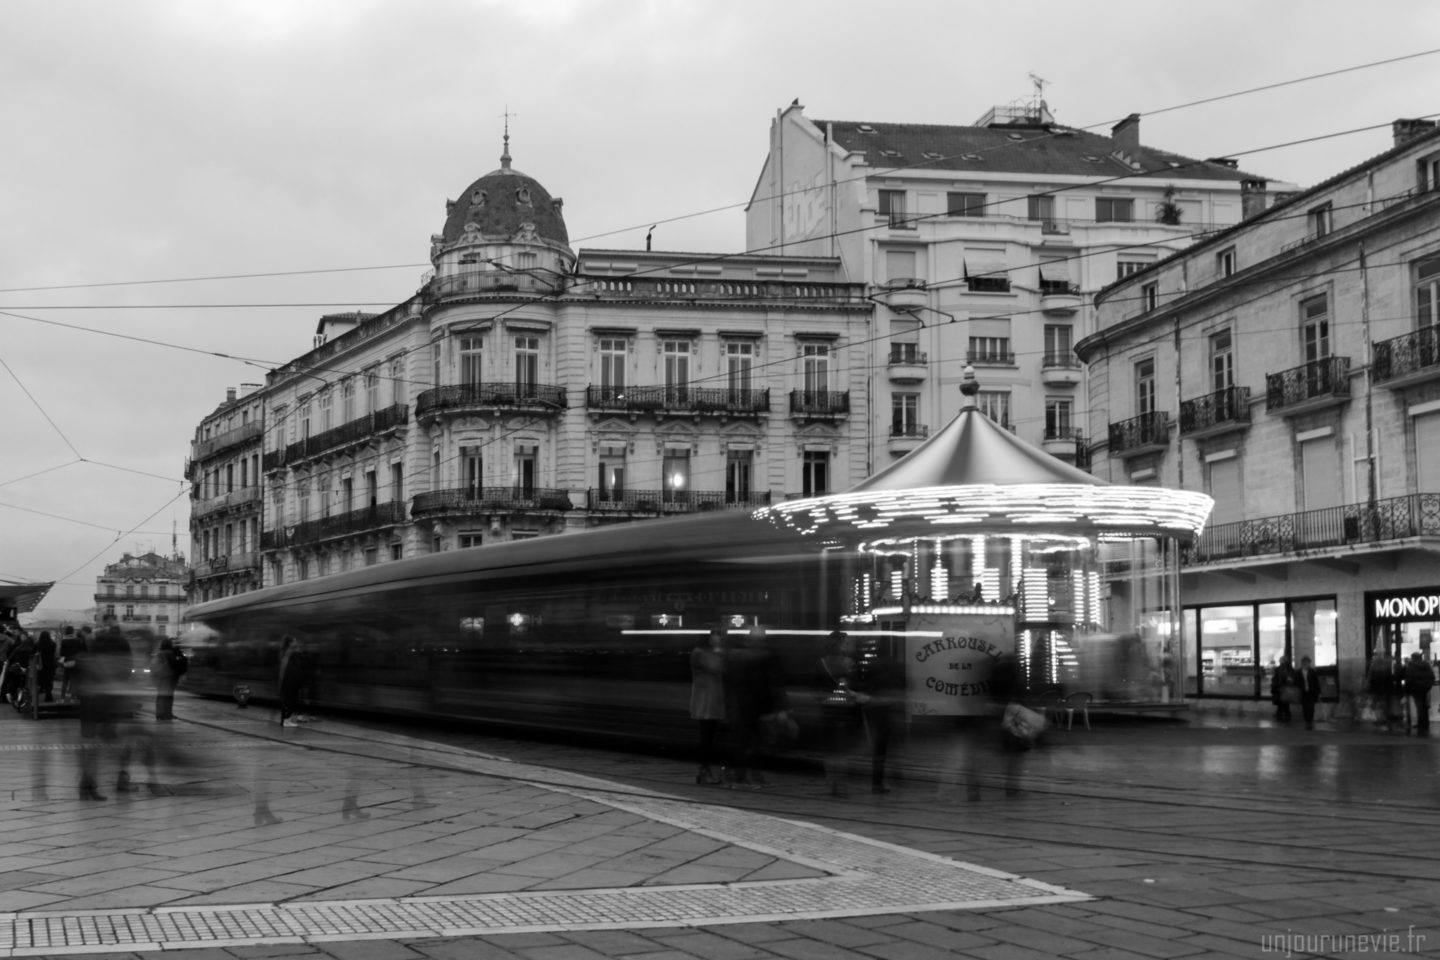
{"points": [[143, 593], [529, 389], [1290, 368], [983, 245]]}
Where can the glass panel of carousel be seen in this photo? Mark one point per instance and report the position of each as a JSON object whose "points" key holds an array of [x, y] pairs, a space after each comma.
{"points": [[1140, 657]]}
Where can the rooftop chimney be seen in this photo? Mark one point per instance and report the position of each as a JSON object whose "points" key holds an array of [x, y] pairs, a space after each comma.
{"points": [[229, 394], [1407, 130], [1125, 135], [1252, 198]]}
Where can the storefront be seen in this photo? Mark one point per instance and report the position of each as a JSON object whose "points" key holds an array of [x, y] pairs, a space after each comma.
{"points": [[1401, 622], [1235, 647]]}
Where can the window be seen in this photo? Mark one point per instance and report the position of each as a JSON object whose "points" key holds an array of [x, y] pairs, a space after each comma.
{"points": [[675, 475], [739, 362], [1318, 221], [815, 473], [397, 482], [995, 404], [327, 419], [302, 568], [990, 350], [1059, 349], [1145, 387], [676, 354], [304, 421], [892, 207], [436, 374], [397, 381], [1222, 361], [1040, 207], [1114, 210], [1057, 419], [371, 556], [372, 391], [1123, 268], [905, 415], [612, 472], [1225, 262], [815, 367], [347, 400], [1427, 293], [397, 551], [372, 490], [965, 204], [527, 365], [347, 494], [739, 471], [472, 359], [612, 365], [322, 490], [1315, 328], [469, 538], [1428, 177], [1150, 296], [900, 265], [302, 496], [472, 472], [526, 455]]}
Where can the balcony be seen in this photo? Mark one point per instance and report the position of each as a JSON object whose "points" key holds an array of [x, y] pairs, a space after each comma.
{"points": [[1396, 518], [468, 501], [226, 441], [987, 284], [907, 364], [1147, 433], [233, 563], [674, 288], [1308, 387], [357, 432], [462, 398], [1064, 444], [1059, 297], [365, 520], [1061, 370], [1220, 412], [475, 283], [226, 503], [678, 401], [819, 404], [905, 437], [905, 293], [656, 502], [990, 358], [1407, 359]]}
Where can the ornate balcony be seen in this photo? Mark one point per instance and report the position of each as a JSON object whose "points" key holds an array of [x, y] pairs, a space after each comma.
{"points": [[234, 563], [905, 437], [1218, 412], [678, 401], [365, 520], [357, 432], [475, 283], [468, 501], [1308, 387], [1407, 359], [1064, 444], [655, 502], [990, 358], [1147, 433], [460, 398], [907, 364], [226, 503], [819, 404], [1061, 370], [1059, 297], [987, 284], [1395, 518], [905, 293], [226, 441]]}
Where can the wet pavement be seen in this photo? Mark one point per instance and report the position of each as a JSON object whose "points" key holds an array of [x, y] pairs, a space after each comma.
{"points": [[354, 839]]}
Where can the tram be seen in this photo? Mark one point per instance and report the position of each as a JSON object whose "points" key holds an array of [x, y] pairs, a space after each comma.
{"points": [[586, 633]]}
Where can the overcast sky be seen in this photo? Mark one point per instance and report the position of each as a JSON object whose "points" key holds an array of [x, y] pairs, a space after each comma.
{"points": [[196, 139]]}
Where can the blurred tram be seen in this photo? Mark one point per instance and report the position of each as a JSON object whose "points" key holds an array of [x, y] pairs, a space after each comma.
{"points": [[584, 633]]}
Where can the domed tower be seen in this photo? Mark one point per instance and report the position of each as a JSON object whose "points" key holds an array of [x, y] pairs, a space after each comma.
{"points": [[505, 234]]}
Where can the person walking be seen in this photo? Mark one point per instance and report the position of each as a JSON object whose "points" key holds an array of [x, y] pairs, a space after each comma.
{"points": [[752, 690], [1309, 691], [880, 686], [841, 710], [707, 697], [47, 651], [72, 646], [1419, 678], [167, 666], [1284, 689], [291, 680]]}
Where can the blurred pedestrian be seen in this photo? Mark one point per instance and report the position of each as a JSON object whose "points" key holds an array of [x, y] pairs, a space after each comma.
{"points": [[1419, 678], [1309, 691], [880, 688], [17, 664], [292, 679], [1284, 689], [167, 666], [707, 697], [752, 690], [102, 684], [72, 645], [46, 654], [840, 710], [1381, 680]]}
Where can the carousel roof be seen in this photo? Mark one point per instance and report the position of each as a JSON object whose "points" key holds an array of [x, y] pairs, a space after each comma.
{"points": [[975, 477]]}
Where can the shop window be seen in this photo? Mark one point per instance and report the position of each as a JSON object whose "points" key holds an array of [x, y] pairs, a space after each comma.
{"points": [[1227, 651]]}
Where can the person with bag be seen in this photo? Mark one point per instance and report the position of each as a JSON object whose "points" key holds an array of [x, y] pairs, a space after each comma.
{"points": [[1284, 689]]}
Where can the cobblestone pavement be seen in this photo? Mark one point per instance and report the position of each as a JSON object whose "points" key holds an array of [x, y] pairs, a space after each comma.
{"points": [[410, 843]]}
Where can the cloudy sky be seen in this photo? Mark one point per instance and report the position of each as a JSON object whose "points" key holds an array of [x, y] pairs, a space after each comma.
{"points": [[186, 186]]}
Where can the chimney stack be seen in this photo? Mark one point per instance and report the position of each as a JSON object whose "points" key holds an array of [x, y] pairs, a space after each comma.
{"points": [[1252, 198], [1125, 136], [1407, 130], [229, 394]]}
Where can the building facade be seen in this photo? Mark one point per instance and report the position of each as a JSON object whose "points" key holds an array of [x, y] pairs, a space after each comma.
{"points": [[145, 592], [529, 389], [225, 502], [983, 245], [1290, 368]]}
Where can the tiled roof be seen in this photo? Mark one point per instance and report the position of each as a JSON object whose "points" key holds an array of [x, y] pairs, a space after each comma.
{"points": [[1049, 150]]}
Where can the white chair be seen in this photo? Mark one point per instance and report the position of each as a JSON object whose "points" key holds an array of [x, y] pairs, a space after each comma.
{"points": [[1074, 702]]}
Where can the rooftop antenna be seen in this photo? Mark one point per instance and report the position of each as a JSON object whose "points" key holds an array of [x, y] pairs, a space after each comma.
{"points": [[1039, 106], [505, 154]]}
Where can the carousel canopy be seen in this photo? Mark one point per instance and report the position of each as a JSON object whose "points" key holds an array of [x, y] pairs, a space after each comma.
{"points": [[976, 477]]}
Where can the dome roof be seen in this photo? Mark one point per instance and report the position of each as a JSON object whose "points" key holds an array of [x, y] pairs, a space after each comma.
{"points": [[501, 204]]}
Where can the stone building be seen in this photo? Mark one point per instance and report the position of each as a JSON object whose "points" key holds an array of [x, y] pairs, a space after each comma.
{"points": [[143, 593], [224, 474], [1290, 367]]}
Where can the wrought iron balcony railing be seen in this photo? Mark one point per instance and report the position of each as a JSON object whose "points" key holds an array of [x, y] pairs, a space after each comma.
{"points": [[389, 514], [1062, 361], [225, 441], [1059, 288], [819, 403], [1230, 406], [1395, 518], [471, 396], [909, 431], [1408, 354], [233, 500], [1145, 432], [496, 499], [356, 431], [232, 563], [1316, 380], [714, 401], [672, 501], [907, 353], [998, 358]]}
